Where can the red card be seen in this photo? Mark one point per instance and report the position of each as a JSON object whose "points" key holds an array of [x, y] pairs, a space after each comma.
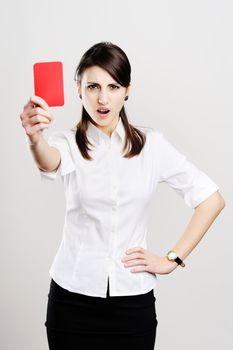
{"points": [[48, 82]]}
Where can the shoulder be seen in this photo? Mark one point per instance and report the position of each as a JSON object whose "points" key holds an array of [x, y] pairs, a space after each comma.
{"points": [[62, 133], [152, 132], [62, 136]]}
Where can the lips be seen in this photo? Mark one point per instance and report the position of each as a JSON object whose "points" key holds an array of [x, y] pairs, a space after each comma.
{"points": [[103, 110]]}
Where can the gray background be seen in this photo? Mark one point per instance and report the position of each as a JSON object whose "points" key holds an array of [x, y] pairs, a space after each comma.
{"points": [[181, 55]]}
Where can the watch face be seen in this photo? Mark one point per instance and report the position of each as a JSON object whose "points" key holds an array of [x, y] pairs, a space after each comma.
{"points": [[172, 256]]}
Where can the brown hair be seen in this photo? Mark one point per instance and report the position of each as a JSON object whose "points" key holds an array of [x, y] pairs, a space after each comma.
{"points": [[114, 60]]}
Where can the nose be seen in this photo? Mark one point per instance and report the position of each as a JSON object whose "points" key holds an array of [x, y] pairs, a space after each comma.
{"points": [[103, 98], [103, 102]]}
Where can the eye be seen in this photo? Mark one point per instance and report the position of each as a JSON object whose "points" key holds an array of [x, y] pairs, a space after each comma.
{"points": [[115, 87], [91, 87]]}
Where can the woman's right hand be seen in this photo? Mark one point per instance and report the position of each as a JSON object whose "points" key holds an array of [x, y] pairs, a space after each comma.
{"points": [[35, 118]]}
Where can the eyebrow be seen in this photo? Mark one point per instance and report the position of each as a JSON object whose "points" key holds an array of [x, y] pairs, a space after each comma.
{"points": [[92, 82]]}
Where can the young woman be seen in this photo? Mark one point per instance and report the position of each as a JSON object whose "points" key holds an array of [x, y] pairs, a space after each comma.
{"points": [[103, 276]]}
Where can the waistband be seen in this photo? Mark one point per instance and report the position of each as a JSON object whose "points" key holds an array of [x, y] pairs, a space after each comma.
{"points": [[59, 293]]}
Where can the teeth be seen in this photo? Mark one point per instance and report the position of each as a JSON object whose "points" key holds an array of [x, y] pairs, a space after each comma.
{"points": [[103, 110]]}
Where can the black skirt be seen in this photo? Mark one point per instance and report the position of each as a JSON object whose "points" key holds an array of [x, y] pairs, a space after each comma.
{"points": [[78, 321]]}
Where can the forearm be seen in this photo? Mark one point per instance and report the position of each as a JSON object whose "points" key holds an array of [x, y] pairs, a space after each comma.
{"points": [[46, 157], [203, 217]]}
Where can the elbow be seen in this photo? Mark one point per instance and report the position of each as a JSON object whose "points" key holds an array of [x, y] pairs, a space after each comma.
{"points": [[222, 204], [220, 207], [221, 201], [214, 201]]}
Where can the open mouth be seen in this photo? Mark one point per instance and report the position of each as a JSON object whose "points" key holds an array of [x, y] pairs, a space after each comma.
{"points": [[103, 111]]}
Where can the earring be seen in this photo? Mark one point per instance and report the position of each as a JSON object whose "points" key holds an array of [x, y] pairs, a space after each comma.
{"points": [[126, 98], [80, 96]]}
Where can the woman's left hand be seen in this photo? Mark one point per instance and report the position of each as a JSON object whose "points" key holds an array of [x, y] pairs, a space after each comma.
{"points": [[151, 262]]}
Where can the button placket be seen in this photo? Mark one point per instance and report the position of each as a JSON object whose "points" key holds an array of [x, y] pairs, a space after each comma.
{"points": [[112, 245], [113, 174], [114, 201]]}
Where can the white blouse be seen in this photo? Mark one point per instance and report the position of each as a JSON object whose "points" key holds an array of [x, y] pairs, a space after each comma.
{"points": [[106, 206]]}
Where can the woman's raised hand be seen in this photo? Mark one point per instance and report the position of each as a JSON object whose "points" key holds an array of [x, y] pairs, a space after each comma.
{"points": [[35, 118]]}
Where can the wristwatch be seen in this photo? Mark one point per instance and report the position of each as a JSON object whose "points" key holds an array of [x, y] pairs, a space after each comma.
{"points": [[172, 256]]}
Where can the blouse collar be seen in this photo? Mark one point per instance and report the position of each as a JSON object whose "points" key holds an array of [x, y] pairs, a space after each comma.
{"points": [[98, 135]]}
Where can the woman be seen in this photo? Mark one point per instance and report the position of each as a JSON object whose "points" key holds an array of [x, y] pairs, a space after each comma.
{"points": [[103, 276]]}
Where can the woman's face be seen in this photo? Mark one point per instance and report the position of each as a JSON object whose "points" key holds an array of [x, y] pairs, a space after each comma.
{"points": [[100, 91]]}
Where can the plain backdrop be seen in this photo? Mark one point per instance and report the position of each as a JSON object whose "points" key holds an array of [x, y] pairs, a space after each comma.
{"points": [[181, 53]]}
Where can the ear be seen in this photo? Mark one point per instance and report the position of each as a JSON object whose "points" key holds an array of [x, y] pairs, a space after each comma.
{"points": [[79, 88], [128, 89]]}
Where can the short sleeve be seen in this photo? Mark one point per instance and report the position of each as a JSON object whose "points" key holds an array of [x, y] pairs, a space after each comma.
{"points": [[191, 183], [60, 140]]}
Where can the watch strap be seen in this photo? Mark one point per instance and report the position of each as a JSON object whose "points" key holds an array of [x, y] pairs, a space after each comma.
{"points": [[179, 261]]}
